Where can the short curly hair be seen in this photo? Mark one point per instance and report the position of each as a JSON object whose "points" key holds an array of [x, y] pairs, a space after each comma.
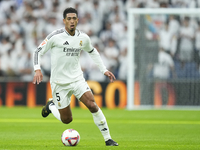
{"points": [[69, 10]]}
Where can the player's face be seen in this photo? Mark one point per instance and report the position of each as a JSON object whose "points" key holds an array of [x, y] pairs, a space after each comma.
{"points": [[71, 22]]}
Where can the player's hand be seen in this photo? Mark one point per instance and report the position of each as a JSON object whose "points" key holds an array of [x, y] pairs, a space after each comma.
{"points": [[110, 75], [37, 77]]}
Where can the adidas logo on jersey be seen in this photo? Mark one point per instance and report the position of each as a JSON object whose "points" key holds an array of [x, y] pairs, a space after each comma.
{"points": [[66, 43]]}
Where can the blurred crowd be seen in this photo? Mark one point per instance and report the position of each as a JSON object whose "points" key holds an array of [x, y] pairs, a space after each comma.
{"points": [[25, 23], [178, 39]]}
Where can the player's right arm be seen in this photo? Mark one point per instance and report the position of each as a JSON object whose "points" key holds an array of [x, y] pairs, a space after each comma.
{"points": [[42, 49], [37, 77]]}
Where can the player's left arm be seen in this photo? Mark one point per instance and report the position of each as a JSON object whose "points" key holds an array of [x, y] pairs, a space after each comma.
{"points": [[110, 75], [94, 54]]}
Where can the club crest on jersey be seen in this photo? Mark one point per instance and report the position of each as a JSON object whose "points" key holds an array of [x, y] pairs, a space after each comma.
{"points": [[81, 43]]}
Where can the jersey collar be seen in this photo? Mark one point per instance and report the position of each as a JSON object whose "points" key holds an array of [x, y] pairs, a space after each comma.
{"points": [[77, 32]]}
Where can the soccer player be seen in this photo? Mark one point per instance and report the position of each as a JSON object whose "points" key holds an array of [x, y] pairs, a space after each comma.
{"points": [[65, 45]]}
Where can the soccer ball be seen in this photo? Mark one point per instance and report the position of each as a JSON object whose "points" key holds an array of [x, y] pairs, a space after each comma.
{"points": [[70, 137]]}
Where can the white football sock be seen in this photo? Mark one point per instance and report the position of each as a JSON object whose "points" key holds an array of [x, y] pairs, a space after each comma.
{"points": [[54, 111], [100, 121]]}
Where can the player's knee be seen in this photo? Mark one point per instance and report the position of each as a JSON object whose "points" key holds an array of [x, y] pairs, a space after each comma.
{"points": [[66, 120], [92, 106]]}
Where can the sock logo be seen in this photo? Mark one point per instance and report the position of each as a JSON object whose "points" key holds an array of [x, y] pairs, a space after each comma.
{"points": [[104, 129], [101, 124]]}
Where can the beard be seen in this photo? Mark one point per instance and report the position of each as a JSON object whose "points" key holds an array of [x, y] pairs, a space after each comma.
{"points": [[71, 30]]}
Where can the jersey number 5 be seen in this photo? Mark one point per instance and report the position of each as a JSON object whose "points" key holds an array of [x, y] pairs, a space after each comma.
{"points": [[58, 97]]}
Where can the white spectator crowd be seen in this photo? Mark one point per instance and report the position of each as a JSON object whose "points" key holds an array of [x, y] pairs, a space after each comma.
{"points": [[25, 23]]}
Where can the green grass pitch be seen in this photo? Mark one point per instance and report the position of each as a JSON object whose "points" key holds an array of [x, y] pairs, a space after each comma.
{"points": [[23, 128]]}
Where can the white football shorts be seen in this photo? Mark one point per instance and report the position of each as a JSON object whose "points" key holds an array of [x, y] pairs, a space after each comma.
{"points": [[62, 93]]}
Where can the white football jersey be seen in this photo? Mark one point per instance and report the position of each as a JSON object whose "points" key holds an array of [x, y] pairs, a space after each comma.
{"points": [[65, 52]]}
